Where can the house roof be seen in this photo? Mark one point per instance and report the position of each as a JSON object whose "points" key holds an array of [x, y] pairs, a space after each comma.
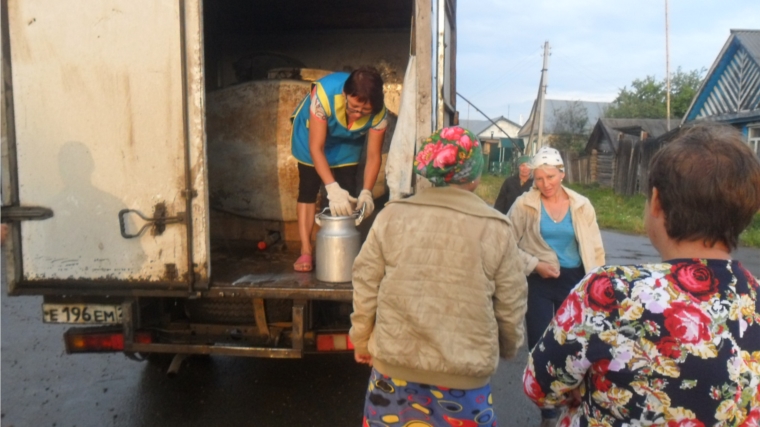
{"points": [[474, 126], [750, 39], [479, 126], [497, 121], [731, 87], [610, 130], [594, 111]]}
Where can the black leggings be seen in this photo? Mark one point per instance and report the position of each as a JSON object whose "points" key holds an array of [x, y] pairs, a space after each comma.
{"points": [[545, 296], [309, 181]]}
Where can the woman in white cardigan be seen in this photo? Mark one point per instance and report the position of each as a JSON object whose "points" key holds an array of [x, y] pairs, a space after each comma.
{"points": [[559, 241]]}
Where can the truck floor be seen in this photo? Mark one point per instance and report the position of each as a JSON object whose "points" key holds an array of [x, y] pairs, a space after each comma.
{"points": [[239, 268]]}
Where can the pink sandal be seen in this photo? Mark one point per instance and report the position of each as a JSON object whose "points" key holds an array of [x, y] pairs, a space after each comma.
{"points": [[304, 263]]}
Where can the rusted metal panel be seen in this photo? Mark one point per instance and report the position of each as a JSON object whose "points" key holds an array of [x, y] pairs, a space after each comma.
{"points": [[251, 169], [196, 137], [100, 127]]}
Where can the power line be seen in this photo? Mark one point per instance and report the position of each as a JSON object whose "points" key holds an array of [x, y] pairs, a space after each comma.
{"points": [[586, 73], [514, 144], [519, 62]]}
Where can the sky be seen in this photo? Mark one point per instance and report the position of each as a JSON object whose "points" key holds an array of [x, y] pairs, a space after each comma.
{"points": [[597, 47]]}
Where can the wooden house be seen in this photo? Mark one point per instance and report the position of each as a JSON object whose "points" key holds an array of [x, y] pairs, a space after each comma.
{"points": [[498, 140], [552, 108], [612, 144], [730, 92]]}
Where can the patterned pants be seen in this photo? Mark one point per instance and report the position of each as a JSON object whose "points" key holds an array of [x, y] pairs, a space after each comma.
{"points": [[392, 402]]}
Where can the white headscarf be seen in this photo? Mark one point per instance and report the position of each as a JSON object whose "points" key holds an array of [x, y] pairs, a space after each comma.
{"points": [[547, 156]]}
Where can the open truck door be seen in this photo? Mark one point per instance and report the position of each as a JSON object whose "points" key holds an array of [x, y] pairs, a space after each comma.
{"points": [[445, 75], [145, 141], [104, 147]]}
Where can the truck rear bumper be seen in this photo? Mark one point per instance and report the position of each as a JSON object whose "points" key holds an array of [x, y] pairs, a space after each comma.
{"points": [[259, 340]]}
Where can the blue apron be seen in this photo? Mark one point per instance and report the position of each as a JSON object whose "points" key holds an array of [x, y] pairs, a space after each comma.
{"points": [[343, 146]]}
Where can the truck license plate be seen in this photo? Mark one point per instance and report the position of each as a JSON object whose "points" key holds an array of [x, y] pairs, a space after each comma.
{"points": [[99, 314]]}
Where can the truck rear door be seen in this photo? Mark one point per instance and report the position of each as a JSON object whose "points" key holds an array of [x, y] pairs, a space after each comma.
{"points": [[446, 114], [105, 133]]}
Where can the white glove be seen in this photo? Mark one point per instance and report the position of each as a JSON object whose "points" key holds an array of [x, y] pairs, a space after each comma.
{"points": [[340, 200], [366, 199]]}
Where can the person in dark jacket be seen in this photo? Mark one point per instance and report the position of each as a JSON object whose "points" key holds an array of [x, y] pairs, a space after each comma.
{"points": [[514, 186]]}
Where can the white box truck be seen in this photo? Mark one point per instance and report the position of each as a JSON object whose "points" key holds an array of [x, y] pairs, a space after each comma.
{"points": [[145, 153]]}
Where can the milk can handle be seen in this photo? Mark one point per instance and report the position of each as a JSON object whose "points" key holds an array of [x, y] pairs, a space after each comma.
{"points": [[316, 217], [361, 215]]}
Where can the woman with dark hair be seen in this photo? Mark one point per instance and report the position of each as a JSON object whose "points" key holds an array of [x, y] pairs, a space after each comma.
{"points": [[675, 343], [439, 295], [330, 127]]}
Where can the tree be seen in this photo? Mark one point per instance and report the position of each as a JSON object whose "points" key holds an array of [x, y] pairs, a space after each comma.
{"points": [[683, 89], [570, 128], [647, 98]]}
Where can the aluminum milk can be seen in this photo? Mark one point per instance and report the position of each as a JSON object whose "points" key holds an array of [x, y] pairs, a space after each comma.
{"points": [[338, 243]]}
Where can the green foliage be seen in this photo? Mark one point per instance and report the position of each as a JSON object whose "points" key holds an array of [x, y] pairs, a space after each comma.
{"points": [[613, 211], [646, 99], [683, 89], [489, 187], [751, 235], [570, 128], [626, 214]]}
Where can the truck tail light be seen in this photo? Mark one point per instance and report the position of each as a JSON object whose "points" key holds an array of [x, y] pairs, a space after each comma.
{"points": [[334, 342], [88, 342]]}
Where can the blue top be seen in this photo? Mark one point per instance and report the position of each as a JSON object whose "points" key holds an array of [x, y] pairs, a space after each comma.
{"points": [[343, 145], [560, 236]]}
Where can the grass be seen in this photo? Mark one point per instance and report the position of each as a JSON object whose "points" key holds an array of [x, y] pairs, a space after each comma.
{"points": [[613, 211], [489, 187]]}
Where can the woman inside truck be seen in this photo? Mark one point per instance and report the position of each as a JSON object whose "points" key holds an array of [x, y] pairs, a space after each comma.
{"points": [[330, 127], [439, 295]]}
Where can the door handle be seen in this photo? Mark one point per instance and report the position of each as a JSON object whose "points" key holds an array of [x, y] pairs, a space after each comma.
{"points": [[158, 222]]}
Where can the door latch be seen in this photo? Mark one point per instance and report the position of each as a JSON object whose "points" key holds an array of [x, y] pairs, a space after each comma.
{"points": [[158, 222], [25, 213]]}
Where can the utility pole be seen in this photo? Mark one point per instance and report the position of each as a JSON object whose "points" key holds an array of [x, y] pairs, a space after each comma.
{"points": [[542, 97], [667, 69]]}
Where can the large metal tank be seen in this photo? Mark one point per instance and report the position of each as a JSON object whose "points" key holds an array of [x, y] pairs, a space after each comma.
{"points": [[251, 170]]}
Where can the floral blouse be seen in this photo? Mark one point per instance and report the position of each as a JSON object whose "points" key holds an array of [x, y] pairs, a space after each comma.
{"points": [[674, 344]]}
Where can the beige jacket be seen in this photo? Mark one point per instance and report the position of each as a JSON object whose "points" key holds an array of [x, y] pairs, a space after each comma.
{"points": [[526, 215], [439, 292]]}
